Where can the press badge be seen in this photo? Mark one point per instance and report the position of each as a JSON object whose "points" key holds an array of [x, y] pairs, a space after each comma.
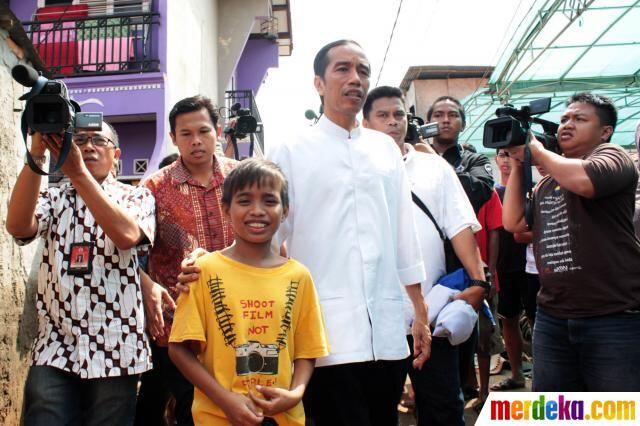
{"points": [[80, 259]]}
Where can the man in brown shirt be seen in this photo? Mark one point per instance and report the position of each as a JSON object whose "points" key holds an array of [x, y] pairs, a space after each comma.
{"points": [[588, 257]]}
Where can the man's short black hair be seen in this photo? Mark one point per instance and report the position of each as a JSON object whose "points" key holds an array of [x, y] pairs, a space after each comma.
{"points": [[191, 104], [322, 57], [377, 93], [463, 117], [169, 159], [605, 108], [255, 171]]}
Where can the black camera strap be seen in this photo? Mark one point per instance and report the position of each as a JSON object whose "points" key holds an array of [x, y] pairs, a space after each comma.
{"points": [[426, 211], [452, 262], [527, 184], [64, 151]]}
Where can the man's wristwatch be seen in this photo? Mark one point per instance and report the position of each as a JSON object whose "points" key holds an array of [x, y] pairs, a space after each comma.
{"points": [[484, 284], [40, 160]]}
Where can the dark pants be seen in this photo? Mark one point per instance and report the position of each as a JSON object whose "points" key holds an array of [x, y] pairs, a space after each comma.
{"points": [[466, 353], [439, 398], [154, 392], [363, 394], [599, 354], [55, 397]]}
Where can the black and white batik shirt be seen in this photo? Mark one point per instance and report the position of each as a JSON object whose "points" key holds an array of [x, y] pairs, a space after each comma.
{"points": [[91, 325]]}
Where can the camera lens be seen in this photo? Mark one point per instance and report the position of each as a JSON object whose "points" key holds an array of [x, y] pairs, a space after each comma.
{"points": [[256, 362], [48, 113]]}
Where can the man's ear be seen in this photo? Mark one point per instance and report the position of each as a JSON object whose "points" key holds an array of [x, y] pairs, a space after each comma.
{"points": [[117, 153], [318, 82], [607, 131], [365, 123], [173, 138]]}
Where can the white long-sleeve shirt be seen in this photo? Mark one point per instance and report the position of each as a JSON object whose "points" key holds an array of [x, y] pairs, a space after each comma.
{"points": [[351, 223]]}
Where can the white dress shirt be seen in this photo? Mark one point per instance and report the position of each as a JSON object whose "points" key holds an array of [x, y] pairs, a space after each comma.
{"points": [[351, 223], [435, 182]]}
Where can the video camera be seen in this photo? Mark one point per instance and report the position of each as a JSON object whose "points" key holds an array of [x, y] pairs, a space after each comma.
{"points": [[416, 128], [511, 127], [245, 122], [49, 110]]}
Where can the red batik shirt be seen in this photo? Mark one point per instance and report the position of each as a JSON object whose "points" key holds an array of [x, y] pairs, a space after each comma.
{"points": [[188, 216]]}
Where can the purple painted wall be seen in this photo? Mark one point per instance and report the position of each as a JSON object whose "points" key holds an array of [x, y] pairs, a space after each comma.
{"points": [[136, 141], [23, 9], [119, 94], [257, 57], [138, 95]]}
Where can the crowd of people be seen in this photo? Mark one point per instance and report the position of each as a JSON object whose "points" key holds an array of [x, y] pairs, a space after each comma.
{"points": [[306, 287]]}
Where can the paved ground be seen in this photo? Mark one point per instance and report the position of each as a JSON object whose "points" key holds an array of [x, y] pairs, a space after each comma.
{"points": [[407, 419]]}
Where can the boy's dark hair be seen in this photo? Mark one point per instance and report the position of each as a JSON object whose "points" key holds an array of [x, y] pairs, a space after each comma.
{"points": [[255, 171], [322, 57], [191, 104], [169, 159], [463, 117], [377, 93], [605, 108]]}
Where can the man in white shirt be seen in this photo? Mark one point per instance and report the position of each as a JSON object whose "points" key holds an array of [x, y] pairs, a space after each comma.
{"points": [[433, 181], [351, 223]]}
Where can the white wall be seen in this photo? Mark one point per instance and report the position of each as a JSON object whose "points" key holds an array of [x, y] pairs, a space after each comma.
{"points": [[192, 49], [235, 22]]}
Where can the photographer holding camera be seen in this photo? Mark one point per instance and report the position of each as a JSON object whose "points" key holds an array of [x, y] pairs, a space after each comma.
{"points": [[91, 345], [588, 320]]}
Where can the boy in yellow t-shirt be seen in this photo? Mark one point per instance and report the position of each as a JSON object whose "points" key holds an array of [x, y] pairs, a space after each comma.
{"points": [[248, 331]]}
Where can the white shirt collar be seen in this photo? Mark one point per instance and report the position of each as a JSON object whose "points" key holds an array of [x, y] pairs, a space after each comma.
{"points": [[328, 126]]}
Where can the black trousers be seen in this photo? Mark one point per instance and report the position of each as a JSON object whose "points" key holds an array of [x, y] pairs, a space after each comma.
{"points": [[157, 385], [439, 400], [363, 394]]}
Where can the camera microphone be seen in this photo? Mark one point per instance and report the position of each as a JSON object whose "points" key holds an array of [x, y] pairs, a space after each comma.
{"points": [[25, 75], [310, 114]]}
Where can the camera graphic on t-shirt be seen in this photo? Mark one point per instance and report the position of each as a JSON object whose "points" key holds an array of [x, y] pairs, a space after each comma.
{"points": [[254, 357]]}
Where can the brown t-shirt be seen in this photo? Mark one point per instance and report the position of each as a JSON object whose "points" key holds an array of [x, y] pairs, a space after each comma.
{"points": [[587, 254]]}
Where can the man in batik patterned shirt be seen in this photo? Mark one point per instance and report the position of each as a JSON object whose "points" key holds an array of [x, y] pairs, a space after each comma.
{"points": [[189, 216], [91, 345]]}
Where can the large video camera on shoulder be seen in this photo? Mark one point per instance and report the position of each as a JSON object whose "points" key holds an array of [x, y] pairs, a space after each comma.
{"points": [[512, 126], [49, 110]]}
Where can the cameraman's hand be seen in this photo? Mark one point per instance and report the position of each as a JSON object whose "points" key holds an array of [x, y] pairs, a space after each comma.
{"points": [[517, 152], [74, 164], [38, 148]]}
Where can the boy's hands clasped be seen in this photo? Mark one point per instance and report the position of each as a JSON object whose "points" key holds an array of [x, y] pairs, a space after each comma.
{"points": [[241, 410], [244, 410], [276, 400]]}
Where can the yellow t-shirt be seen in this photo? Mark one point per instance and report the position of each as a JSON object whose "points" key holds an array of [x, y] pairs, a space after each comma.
{"points": [[253, 323]]}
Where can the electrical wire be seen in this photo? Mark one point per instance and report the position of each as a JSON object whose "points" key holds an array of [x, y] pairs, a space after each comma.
{"points": [[495, 59], [393, 29]]}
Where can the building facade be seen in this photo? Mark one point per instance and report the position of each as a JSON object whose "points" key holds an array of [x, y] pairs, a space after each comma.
{"points": [[424, 84], [133, 59]]}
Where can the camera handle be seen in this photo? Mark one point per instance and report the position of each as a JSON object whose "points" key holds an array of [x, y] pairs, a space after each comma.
{"points": [[64, 151], [527, 183]]}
